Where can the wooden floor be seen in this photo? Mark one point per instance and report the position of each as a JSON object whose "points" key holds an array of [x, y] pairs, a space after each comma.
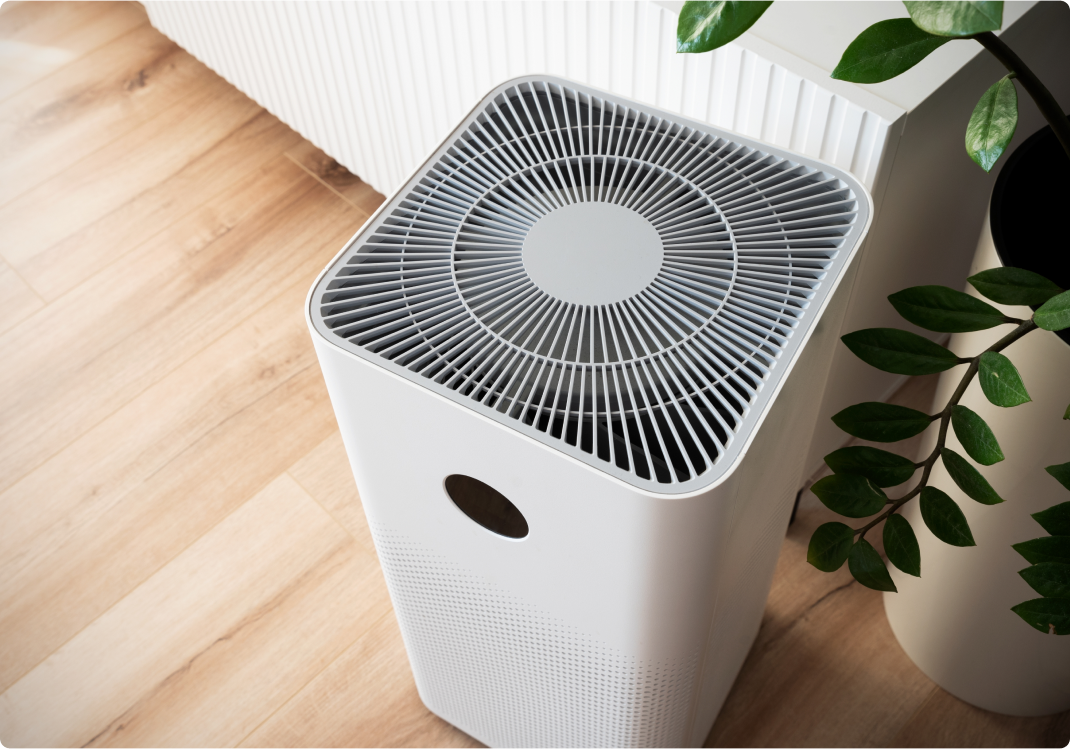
{"points": [[183, 557]]}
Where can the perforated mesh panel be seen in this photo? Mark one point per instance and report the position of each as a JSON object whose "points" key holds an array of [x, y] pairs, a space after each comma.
{"points": [[513, 676], [654, 388]]}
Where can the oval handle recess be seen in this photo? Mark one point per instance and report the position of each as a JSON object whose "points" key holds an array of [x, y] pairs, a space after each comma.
{"points": [[486, 505]]}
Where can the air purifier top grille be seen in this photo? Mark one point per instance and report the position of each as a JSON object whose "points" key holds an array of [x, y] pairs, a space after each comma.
{"points": [[623, 284]]}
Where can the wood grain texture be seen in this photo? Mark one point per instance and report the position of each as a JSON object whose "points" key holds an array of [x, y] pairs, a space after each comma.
{"points": [[206, 179], [210, 646], [89, 353], [36, 39], [335, 176], [945, 721], [362, 699], [17, 299], [325, 474], [46, 128], [130, 494], [183, 555], [109, 178]]}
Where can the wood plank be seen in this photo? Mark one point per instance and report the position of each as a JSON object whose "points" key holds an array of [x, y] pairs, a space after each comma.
{"points": [[348, 185], [58, 121], [76, 27], [37, 41], [111, 177], [367, 697], [947, 721], [212, 644], [132, 493], [89, 353], [17, 299], [208, 178], [325, 474], [825, 669]]}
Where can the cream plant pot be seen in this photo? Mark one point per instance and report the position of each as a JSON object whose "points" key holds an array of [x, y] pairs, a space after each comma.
{"points": [[955, 622]]}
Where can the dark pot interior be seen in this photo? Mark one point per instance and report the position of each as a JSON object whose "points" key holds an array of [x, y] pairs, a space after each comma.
{"points": [[1031, 210]]}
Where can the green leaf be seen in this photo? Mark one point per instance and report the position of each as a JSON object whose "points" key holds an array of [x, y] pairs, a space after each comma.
{"points": [[1050, 615], [868, 568], [852, 496], [945, 310], [1000, 381], [1060, 473], [944, 518], [1055, 520], [829, 546], [1054, 314], [885, 50], [992, 124], [1045, 549], [1066, 414], [899, 352], [879, 466], [1050, 579], [976, 436], [969, 478], [881, 422], [1014, 286], [956, 18], [901, 545], [703, 26]]}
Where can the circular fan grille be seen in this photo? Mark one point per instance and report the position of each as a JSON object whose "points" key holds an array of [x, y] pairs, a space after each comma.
{"points": [[655, 384]]}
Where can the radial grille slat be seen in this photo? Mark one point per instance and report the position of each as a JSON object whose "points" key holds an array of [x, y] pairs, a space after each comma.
{"points": [[654, 388]]}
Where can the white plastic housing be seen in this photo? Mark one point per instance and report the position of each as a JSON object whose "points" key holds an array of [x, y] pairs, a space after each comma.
{"points": [[624, 615]]}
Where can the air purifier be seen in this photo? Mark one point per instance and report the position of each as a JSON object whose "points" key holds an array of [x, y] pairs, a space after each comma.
{"points": [[576, 361]]}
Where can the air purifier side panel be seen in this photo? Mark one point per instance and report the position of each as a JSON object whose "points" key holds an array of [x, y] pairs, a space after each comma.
{"points": [[766, 484], [588, 631]]}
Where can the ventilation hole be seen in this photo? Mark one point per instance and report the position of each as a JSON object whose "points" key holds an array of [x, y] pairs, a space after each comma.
{"points": [[486, 506], [515, 675]]}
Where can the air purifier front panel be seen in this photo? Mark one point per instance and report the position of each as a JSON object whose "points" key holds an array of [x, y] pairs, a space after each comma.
{"points": [[609, 587], [580, 311]]}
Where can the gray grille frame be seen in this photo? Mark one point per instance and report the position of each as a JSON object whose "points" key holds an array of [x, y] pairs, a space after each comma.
{"points": [[768, 366]]}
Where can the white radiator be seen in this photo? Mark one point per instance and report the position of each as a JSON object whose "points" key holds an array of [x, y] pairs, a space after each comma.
{"points": [[378, 84]]}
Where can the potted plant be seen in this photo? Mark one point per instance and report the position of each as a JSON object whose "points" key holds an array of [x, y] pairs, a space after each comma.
{"points": [[957, 624]]}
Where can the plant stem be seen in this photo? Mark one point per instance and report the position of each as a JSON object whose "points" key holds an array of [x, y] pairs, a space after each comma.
{"points": [[1050, 108], [1025, 326]]}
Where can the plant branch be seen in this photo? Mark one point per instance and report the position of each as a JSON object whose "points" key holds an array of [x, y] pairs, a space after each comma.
{"points": [[1023, 328], [1047, 104]]}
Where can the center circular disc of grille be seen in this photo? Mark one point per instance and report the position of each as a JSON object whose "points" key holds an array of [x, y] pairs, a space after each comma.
{"points": [[592, 253]]}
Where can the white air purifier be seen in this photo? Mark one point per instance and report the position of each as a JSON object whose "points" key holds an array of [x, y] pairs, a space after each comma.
{"points": [[576, 362]]}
